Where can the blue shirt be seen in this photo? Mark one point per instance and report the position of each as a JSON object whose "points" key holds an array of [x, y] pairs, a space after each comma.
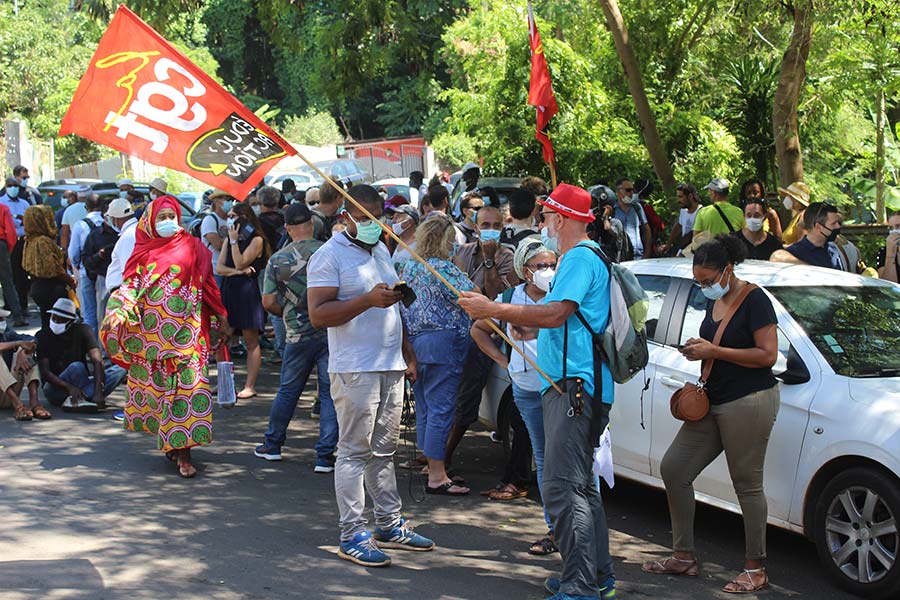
{"points": [[435, 307], [582, 278], [814, 255], [631, 222], [17, 207]]}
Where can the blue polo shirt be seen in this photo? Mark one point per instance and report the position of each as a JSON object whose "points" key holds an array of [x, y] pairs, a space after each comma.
{"points": [[583, 279]]}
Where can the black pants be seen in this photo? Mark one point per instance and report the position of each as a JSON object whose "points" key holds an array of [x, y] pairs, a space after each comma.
{"points": [[20, 277], [471, 385], [45, 293], [518, 466]]}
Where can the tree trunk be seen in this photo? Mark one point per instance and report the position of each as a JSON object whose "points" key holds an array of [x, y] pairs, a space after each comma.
{"points": [[787, 95], [641, 105], [880, 217]]}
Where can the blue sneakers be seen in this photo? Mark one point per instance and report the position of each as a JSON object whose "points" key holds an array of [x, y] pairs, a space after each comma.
{"points": [[263, 451], [607, 589], [363, 550], [402, 537]]}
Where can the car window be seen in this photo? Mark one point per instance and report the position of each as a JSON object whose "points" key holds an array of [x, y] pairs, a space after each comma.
{"points": [[656, 287], [694, 313], [350, 168]]}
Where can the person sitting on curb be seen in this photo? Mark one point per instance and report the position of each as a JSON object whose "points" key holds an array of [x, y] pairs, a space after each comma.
{"points": [[17, 369], [64, 349]]}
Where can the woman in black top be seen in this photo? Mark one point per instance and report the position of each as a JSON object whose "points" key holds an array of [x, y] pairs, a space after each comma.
{"points": [[759, 244], [744, 401]]}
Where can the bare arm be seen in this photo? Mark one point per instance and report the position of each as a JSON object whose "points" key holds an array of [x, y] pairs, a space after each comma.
{"points": [[774, 223], [761, 356], [675, 235], [243, 260], [28, 346], [270, 303], [541, 316], [889, 270], [325, 310], [223, 269], [65, 234], [99, 377], [783, 256], [214, 239], [647, 239], [481, 333]]}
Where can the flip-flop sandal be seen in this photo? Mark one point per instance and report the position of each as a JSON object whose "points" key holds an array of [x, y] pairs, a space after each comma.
{"points": [[444, 490], [41, 413], [22, 414], [496, 488], [246, 396], [187, 470], [543, 547], [510, 493]]}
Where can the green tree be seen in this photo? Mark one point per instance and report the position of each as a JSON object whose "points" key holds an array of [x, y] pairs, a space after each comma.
{"points": [[312, 129]]}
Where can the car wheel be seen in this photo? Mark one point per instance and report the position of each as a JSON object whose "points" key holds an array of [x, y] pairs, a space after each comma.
{"points": [[856, 532]]}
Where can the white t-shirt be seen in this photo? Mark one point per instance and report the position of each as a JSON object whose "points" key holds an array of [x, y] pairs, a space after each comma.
{"points": [[212, 223], [521, 373], [73, 214], [373, 340], [401, 255], [122, 251], [686, 220]]}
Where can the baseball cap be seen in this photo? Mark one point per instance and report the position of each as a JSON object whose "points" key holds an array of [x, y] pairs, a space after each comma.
{"points": [[64, 308], [718, 185], [297, 213], [159, 184], [394, 201], [120, 207], [570, 201], [406, 209], [469, 166]]}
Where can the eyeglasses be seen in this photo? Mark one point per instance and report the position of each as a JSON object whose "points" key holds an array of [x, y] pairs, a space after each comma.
{"points": [[628, 189], [541, 266], [546, 212]]}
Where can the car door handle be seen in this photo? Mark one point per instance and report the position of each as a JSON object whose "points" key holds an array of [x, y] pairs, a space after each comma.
{"points": [[671, 382]]}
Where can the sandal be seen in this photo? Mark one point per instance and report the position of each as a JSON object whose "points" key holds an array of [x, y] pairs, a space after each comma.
{"points": [[187, 470], [543, 547], [737, 586], [41, 413], [246, 395], [510, 492], [446, 490], [500, 486], [172, 455], [22, 414], [673, 566]]}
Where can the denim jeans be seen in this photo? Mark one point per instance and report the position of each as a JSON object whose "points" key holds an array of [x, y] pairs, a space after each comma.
{"points": [[299, 360], [87, 295], [77, 374], [531, 407], [435, 391], [280, 333]]}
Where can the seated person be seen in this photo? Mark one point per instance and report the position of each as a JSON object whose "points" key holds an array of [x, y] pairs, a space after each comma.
{"points": [[64, 349], [16, 369], [817, 247]]}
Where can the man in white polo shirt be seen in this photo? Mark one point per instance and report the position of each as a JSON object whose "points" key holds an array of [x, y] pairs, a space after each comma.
{"points": [[120, 216], [350, 281]]}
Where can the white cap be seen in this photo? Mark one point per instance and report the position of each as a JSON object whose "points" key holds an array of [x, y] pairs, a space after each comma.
{"points": [[471, 165], [119, 208], [159, 184], [122, 182]]}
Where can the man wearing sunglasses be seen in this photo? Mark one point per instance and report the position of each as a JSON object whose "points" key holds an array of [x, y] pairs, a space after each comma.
{"points": [[629, 211]]}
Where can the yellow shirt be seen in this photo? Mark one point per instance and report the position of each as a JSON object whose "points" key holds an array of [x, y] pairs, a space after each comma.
{"points": [[793, 232]]}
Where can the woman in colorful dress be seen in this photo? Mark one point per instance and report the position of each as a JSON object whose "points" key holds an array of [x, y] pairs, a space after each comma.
{"points": [[158, 326]]}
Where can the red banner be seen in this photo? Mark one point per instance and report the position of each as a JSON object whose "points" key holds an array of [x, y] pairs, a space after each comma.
{"points": [[540, 90], [143, 97]]}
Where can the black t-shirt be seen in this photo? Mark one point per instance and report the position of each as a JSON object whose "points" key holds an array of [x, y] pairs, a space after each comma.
{"points": [[763, 251], [273, 227], [729, 381], [812, 254], [71, 346]]}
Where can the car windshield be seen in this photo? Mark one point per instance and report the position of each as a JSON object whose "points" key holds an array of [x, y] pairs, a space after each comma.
{"points": [[855, 328]]}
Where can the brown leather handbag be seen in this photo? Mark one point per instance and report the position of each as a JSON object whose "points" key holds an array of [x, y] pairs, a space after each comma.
{"points": [[691, 403]]}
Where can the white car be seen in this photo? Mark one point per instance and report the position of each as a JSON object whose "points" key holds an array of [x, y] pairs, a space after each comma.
{"points": [[833, 464], [302, 181]]}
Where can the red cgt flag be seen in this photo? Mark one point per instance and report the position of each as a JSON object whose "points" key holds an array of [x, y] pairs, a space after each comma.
{"points": [[540, 92], [143, 97]]}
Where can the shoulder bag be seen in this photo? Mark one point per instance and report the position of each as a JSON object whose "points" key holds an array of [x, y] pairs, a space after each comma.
{"points": [[691, 402]]}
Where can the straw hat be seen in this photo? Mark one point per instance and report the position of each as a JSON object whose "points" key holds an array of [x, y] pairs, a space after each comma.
{"points": [[798, 191]]}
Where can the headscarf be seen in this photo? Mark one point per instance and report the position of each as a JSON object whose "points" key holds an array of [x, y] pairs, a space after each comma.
{"points": [[167, 284], [525, 251], [42, 257]]}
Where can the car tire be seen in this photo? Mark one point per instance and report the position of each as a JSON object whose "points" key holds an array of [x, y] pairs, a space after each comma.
{"points": [[855, 527]]}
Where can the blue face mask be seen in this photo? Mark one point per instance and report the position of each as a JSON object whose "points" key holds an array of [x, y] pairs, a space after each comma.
{"points": [[167, 228], [716, 290], [550, 243], [230, 221], [489, 235], [368, 233], [226, 206], [12, 192]]}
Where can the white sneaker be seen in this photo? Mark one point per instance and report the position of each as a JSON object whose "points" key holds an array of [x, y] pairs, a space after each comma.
{"points": [[324, 469], [68, 404], [82, 406]]}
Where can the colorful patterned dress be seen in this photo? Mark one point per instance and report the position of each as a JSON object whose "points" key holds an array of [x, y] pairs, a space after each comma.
{"points": [[157, 327]]}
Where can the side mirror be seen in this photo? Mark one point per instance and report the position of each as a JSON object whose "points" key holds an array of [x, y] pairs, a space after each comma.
{"points": [[791, 370]]}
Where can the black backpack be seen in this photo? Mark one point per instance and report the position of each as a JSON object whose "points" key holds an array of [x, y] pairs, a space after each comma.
{"points": [[96, 255]]}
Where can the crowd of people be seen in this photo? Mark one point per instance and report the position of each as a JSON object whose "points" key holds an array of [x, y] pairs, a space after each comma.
{"points": [[127, 292]]}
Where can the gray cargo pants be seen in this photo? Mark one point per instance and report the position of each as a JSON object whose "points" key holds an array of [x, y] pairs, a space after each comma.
{"points": [[571, 498]]}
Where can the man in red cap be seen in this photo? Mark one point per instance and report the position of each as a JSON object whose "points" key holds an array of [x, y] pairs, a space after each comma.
{"points": [[571, 419]]}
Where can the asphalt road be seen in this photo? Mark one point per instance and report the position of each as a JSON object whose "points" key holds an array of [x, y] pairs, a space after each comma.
{"points": [[92, 511]]}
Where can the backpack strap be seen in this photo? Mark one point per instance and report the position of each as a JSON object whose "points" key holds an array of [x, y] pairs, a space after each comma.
{"points": [[724, 218]]}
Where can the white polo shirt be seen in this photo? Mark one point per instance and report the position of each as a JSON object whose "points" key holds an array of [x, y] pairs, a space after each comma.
{"points": [[373, 340], [122, 251]]}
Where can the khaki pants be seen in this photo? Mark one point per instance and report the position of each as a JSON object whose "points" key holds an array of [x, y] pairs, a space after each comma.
{"points": [[7, 379], [741, 428]]}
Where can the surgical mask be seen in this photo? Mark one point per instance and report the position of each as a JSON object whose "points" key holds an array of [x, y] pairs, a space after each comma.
{"points": [[2, 326], [25, 180], [230, 221], [257, 209], [12, 192], [754, 224], [894, 232], [399, 228], [489, 235], [153, 195], [550, 243], [226, 206], [167, 228], [112, 224], [716, 290], [368, 233], [123, 194], [832, 236], [635, 198], [58, 328], [543, 278], [787, 202]]}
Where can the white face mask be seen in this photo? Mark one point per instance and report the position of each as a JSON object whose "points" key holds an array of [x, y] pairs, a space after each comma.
{"points": [[754, 224], [399, 228], [257, 209], [153, 195], [2, 326], [635, 198], [894, 231], [787, 202], [543, 278], [58, 328]]}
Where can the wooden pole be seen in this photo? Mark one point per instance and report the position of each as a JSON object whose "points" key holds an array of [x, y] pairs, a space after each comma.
{"points": [[553, 174], [390, 232]]}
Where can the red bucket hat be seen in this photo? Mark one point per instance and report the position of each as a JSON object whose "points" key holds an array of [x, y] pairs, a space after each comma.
{"points": [[570, 201]]}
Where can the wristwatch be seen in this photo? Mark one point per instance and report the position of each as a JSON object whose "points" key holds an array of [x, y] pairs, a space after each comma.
{"points": [[488, 263], [232, 242]]}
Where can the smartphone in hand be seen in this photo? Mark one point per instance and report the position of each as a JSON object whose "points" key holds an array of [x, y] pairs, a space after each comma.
{"points": [[408, 295]]}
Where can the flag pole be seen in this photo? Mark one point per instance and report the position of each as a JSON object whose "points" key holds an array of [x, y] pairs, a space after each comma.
{"points": [[390, 232], [553, 174]]}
